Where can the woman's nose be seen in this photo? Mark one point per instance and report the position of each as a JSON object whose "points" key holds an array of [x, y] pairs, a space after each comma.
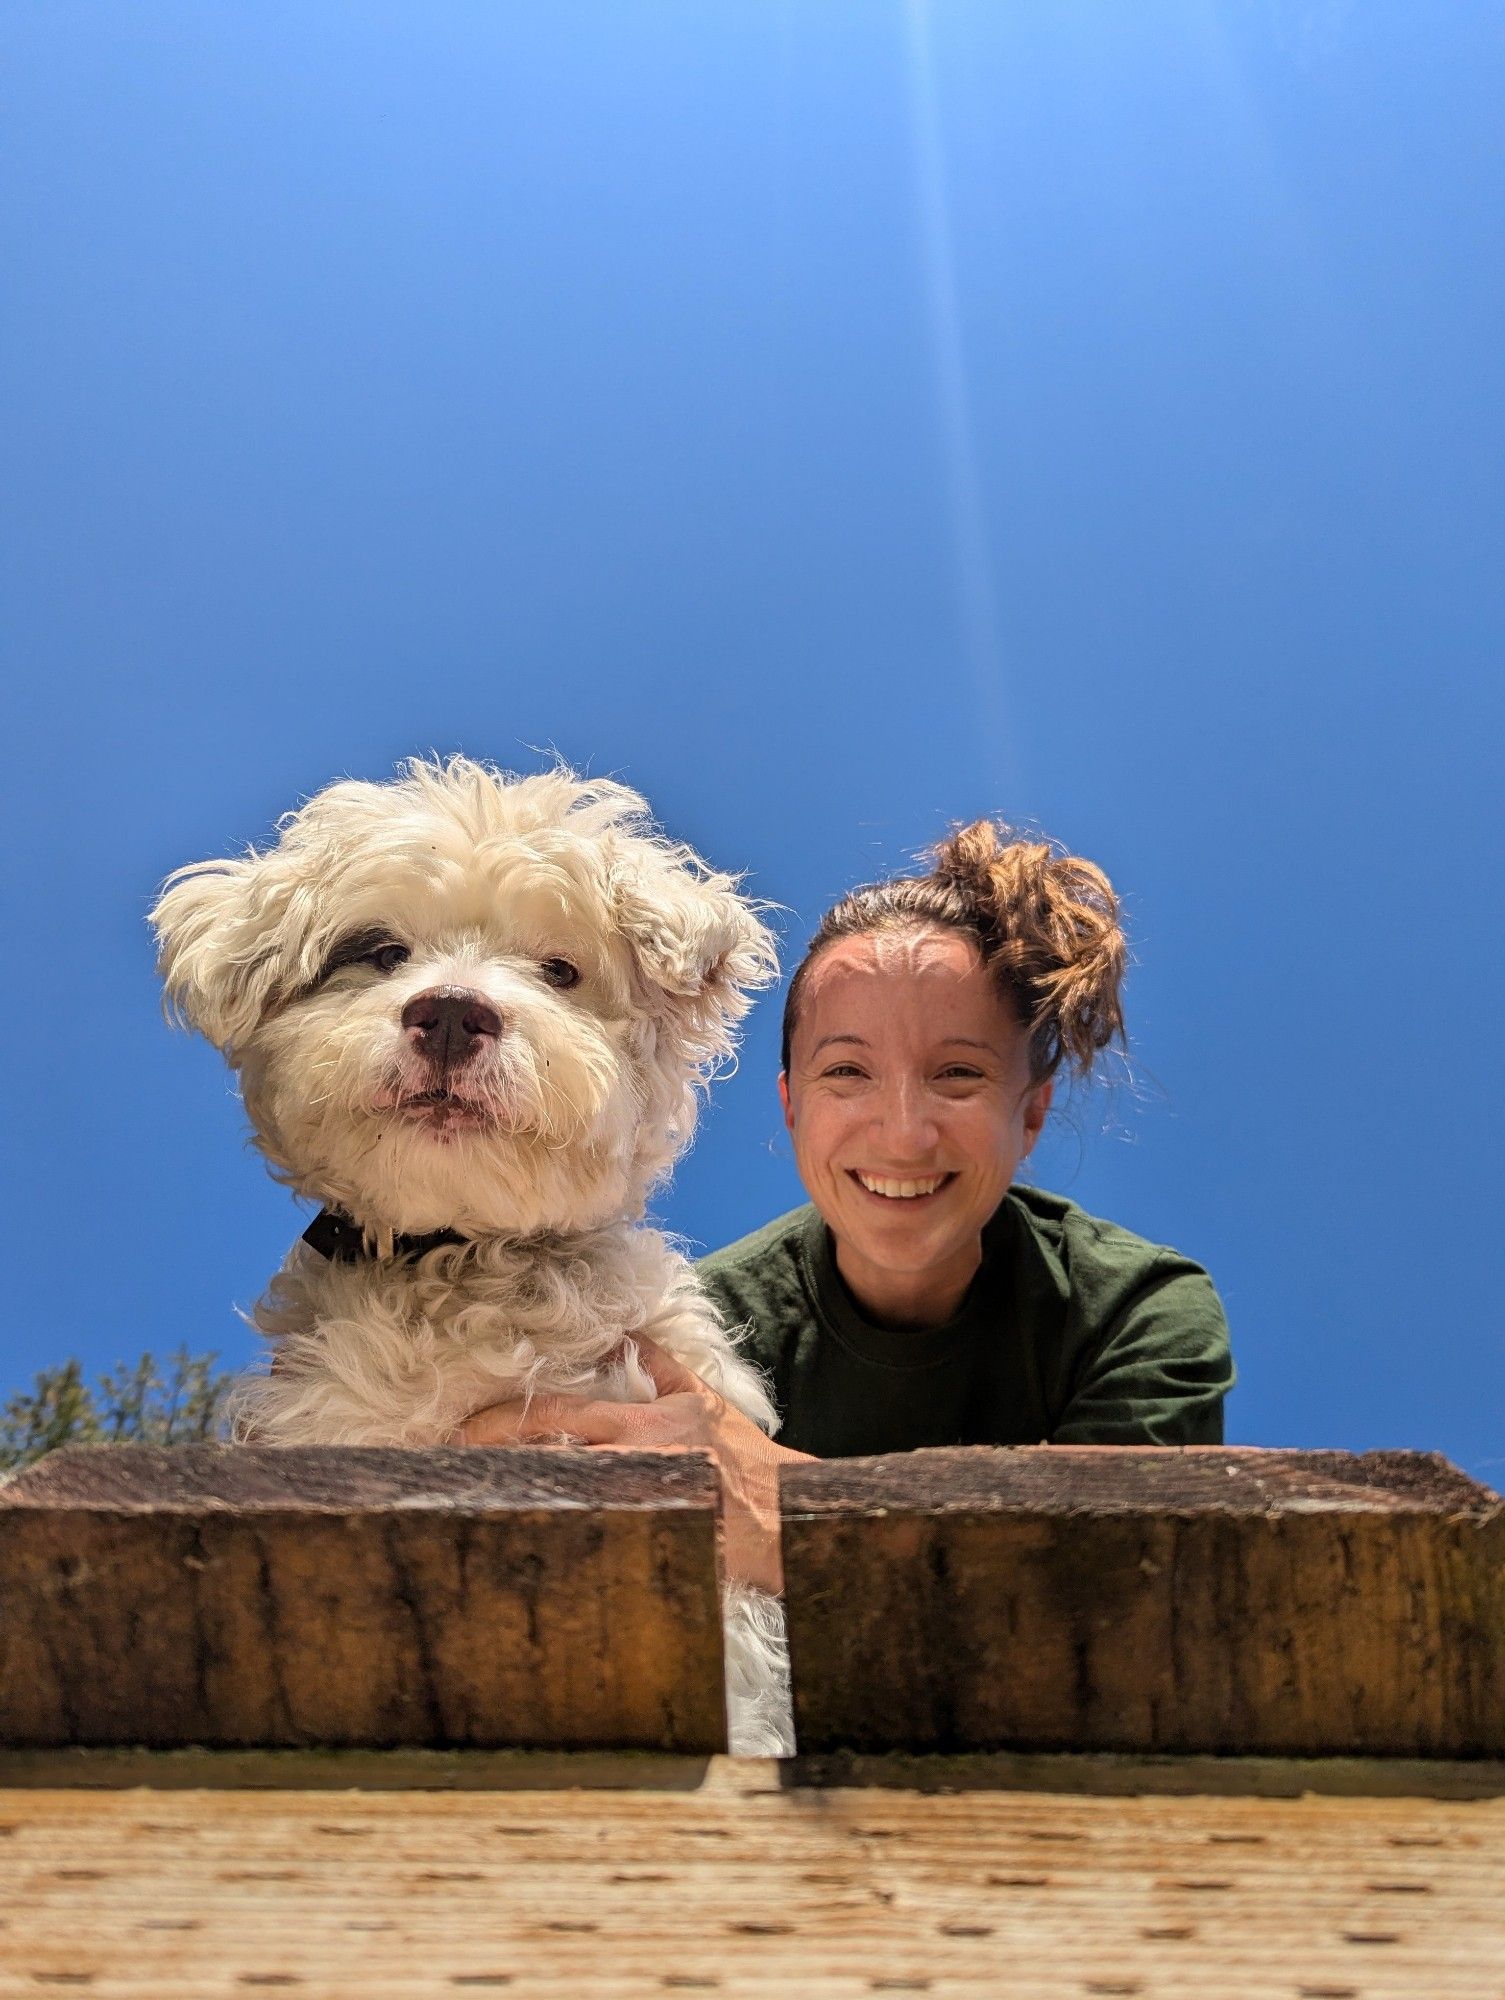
{"points": [[904, 1120]]}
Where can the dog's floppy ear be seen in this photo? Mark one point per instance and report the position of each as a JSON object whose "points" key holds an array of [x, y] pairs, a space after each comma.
{"points": [[699, 946], [219, 939]]}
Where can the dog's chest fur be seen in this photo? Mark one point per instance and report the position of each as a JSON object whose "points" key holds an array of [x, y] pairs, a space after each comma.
{"points": [[402, 1351]]}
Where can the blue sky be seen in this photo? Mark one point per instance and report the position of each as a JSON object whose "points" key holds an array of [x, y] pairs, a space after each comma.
{"points": [[835, 419]]}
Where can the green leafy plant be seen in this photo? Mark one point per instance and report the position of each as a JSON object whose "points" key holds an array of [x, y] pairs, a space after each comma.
{"points": [[179, 1401]]}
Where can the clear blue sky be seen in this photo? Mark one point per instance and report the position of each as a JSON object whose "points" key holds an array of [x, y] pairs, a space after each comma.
{"points": [[836, 419]]}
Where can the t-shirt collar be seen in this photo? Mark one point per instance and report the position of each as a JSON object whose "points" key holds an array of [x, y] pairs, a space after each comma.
{"points": [[899, 1346]]}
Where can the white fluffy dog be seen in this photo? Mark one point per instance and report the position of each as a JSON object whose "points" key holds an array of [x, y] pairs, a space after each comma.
{"points": [[470, 1014]]}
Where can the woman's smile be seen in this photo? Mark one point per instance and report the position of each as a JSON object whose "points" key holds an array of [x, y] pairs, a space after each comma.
{"points": [[901, 1187]]}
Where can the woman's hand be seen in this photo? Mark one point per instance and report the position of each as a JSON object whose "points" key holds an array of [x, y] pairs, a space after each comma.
{"points": [[688, 1416]]}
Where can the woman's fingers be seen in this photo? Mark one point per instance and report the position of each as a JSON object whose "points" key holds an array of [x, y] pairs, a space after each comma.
{"points": [[580, 1417], [548, 1418], [685, 1416], [668, 1376]]}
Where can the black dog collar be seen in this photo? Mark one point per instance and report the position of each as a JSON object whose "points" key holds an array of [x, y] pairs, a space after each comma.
{"points": [[342, 1241]]}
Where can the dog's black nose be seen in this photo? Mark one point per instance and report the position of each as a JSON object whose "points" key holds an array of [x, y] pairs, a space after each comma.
{"points": [[448, 1024]]}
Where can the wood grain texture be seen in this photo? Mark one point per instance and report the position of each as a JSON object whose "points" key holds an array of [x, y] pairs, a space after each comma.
{"points": [[740, 1883], [230, 1595], [1204, 1599]]}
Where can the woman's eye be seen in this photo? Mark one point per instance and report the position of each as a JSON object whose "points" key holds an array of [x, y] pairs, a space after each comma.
{"points": [[842, 1071], [559, 972], [387, 957], [960, 1073]]}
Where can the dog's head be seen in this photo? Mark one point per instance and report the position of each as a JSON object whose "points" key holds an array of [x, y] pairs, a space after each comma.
{"points": [[465, 999]]}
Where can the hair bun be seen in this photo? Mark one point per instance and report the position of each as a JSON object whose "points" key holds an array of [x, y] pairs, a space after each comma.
{"points": [[1048, 922]]}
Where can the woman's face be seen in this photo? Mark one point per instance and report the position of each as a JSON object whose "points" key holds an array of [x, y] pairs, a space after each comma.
{"points": [[910, 1105]]}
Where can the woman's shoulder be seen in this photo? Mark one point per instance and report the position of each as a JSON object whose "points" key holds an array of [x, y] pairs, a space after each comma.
{"points": [[1087, 1280], [1131, 1336], [1087, 1248], [761, 1279], [763, 1257]]}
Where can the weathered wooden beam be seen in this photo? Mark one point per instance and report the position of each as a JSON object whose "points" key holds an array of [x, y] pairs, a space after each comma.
{"points": [[236, 1595], [1204, 1599], [746, 1886]]}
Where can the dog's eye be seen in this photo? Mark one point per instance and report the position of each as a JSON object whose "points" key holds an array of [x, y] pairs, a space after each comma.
{"points": [[559, 972], [387, 957], [372, 948]]}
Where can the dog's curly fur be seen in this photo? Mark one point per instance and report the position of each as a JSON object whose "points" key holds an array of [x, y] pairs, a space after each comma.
{"points": [[614, 965]]}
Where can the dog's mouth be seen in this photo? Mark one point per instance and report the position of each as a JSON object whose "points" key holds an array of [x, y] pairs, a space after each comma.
{"points": [[440, 1110], [441, 1107]]}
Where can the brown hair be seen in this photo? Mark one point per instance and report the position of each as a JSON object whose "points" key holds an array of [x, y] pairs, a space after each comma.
{"points": [[1046, 923]]}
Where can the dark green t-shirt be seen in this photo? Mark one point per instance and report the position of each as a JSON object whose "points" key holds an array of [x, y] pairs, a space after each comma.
{"points": [[1073, 1332]]}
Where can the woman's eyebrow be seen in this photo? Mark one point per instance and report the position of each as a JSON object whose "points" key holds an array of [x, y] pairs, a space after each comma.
{"points": [[825, 1040]]}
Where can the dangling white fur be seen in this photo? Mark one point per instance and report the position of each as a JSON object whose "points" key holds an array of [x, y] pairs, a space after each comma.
{"points": [[540, 1147]]}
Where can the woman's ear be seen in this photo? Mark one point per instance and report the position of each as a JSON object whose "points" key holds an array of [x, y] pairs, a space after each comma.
{"points": [[786, 1103], [219, 947], [1036, 1106]]}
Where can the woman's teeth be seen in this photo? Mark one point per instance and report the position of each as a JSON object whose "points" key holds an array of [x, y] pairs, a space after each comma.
{"points": [[900, 1190]]}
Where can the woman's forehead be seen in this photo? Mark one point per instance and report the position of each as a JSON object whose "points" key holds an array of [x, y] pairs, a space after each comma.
{"points": [[899, 954], [929, 980]]}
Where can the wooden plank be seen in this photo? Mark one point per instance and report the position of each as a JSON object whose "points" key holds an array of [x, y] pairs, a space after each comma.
{"points": [[236, 1595], [1202, 1599], [748, 1886], [1106, 1774]]}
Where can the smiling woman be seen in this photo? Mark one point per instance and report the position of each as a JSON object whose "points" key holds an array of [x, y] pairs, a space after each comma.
{"points": [[924, 1297]]}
